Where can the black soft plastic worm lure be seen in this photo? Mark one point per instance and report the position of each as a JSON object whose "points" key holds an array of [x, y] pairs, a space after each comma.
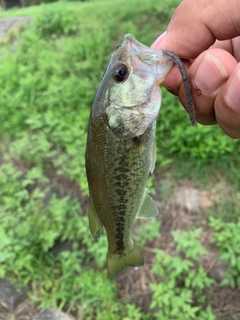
{"points": [[186, 83]]}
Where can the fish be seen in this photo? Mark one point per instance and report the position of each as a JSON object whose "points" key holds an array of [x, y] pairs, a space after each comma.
{"points": [[121, 149]]}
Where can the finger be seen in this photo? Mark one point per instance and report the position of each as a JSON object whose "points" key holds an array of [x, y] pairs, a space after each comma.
{"points": [[173, 79], [225, 45], [227, 105], [236, 48], [157, 42], [196, 25], [231, 45], [207, 74]]}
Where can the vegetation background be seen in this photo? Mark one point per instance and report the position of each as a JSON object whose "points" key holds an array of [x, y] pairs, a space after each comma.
{"points": [[49, 75]]}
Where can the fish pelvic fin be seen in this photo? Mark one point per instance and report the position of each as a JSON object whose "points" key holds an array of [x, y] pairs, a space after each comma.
{"points": [[118, 262], [148, 208], [153, 156], [95, 225]]}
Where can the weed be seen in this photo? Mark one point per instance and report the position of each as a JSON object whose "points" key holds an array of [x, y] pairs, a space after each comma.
{"points": [[226, 237], [182, 289]]}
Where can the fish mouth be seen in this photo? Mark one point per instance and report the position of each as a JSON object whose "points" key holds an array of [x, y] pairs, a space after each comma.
{"points": [[129, 40], [144, 53], [133, 45], [155, 62], [134, 52]]}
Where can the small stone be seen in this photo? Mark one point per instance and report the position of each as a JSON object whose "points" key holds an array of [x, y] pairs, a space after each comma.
{"points": [[207, 200], [10, 295], [5, 24], [52, 314], [188, 199], [215, 267], [218, 271], [10, 24], [2, 35], [60, 247], [193, 200]]}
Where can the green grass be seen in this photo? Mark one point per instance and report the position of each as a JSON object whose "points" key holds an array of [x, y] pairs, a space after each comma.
{"points": [[48, 79]]}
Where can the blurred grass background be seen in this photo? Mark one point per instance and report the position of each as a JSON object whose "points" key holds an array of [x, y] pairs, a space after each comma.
{"points": [[49, 74]]}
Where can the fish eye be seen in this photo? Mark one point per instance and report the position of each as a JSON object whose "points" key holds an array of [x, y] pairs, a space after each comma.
{"points": [[120, 73]]}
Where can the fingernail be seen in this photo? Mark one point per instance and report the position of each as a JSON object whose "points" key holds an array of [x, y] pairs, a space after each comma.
{"points": [[210, 75], [232, 93], [158, 41]]}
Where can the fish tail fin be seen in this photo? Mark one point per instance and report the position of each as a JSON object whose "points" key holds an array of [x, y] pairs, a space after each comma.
{"points": [[118, 262]]}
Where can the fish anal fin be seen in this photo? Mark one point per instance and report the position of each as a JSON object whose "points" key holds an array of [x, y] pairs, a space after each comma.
{"points": [[118, 262], [148, 208], [95, 225]]}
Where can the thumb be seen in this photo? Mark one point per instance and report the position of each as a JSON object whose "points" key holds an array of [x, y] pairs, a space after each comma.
{"points": [[196, 25]]}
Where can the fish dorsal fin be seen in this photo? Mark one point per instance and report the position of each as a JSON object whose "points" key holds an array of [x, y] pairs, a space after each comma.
{"points": [[148, 208], [95, 225], [154, 156]]}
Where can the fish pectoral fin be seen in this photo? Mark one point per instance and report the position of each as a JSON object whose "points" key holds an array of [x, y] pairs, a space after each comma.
{"points": [[95, 225], [118, 262], [148, 208]]}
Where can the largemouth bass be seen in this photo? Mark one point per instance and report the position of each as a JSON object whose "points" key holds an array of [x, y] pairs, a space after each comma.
{"points": [[121, 150]]}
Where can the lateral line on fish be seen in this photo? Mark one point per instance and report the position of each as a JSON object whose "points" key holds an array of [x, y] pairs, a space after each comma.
{"points": [[186, 83]]}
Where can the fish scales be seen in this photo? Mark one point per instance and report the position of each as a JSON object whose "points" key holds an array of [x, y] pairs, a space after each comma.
{"points": [[121, 149]]}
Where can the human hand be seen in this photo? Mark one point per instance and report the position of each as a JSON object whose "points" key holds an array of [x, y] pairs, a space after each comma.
{"points": [[207, 33]]}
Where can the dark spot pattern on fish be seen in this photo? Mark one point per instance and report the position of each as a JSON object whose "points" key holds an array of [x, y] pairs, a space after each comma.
{"points": [[122, 169], [121, 207], [121, 192], [123, 200], [120, 210], [120, 215], [119, 232], [121, 177], [121, 184]]}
